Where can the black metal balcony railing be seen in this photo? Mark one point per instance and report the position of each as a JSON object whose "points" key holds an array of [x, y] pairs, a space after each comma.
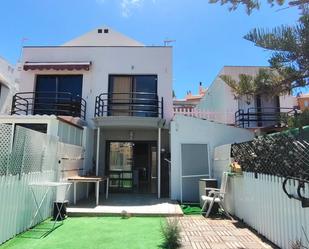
{"points": [[140, 104], [49, 103], [262, 117]]}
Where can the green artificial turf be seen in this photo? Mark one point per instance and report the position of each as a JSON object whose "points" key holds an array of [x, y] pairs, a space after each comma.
{"points": [[191, 209], [95, 233]]}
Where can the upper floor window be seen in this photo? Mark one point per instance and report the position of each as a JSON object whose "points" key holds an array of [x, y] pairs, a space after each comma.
{"points": [[58, 94], [60, 83], [133, 95]]}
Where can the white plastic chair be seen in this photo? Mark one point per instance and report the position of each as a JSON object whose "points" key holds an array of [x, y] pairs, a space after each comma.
{"points": [[216, 195]]}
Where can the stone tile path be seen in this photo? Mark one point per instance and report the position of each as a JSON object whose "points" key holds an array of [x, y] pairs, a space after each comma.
{"points": [[198, 232]]}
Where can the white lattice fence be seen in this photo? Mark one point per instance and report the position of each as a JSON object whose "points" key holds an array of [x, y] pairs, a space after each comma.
{"points": [[27, 156], [32, 157], [24, 151], [5, 147]]}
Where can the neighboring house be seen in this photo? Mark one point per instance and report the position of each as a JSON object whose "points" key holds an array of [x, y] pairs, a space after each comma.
{"points": [[189, 102], [244, 111], [8, 85], [193, 143], [118, 90], [303, 101]]}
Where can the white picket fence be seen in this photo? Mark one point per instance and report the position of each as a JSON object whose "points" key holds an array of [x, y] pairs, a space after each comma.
{"points": [[33, 157], [220, 117], [17, 205], [263, 205]]}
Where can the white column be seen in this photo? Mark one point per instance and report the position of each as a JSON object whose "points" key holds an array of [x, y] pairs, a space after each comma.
{"points": [[74, 192], [97, 192], [159, 162], [98, 152]]}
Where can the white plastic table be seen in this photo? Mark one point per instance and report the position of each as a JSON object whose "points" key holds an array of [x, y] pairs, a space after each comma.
{"points": [[48, 186], [89, 179]]}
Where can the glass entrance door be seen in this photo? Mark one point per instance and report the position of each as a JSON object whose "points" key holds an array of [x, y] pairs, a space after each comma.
{"points": [[132, 166], [120, 165]]}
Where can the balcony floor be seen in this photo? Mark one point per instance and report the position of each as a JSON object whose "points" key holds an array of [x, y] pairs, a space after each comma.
{"points": [[133, 204], [128, 122]]}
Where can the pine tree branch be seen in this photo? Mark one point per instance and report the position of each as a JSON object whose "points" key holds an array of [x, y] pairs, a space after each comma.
{"points": [[251, 5]]}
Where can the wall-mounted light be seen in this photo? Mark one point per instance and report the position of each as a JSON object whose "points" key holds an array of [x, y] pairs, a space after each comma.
{"points": [[131, 135]]}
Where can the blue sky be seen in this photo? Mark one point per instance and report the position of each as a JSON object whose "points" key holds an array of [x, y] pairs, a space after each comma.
{"points": [[207, 36]]}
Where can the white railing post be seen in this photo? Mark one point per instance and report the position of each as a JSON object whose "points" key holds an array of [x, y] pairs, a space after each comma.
{"points": [[98, 152], [159, 162]]}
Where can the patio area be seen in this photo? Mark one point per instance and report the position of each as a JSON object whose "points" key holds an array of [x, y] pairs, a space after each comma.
{"points": [[200, 233], [133, 204], [139, 233]]}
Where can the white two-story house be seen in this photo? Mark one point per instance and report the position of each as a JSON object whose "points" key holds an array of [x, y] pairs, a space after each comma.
{"points": [[244, 111], [116, 89]]}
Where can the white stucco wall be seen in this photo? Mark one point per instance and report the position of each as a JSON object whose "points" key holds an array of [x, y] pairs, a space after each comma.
{"points": [[222, 160], [193, 130], [8, 85], [288, 101], [105, 61], [219, 98]]}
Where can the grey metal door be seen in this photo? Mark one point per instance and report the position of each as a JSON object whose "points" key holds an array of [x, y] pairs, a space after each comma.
{"points": [[195, 165]]}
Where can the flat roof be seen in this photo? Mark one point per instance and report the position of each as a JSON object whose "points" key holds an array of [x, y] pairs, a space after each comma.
{"points": [[97, 46]]}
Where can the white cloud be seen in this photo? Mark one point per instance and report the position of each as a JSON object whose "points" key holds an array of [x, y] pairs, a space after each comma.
{"points": [[127, 6]]}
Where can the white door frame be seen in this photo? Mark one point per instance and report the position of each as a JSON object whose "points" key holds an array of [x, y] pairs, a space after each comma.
{"points": [[189, 176]]}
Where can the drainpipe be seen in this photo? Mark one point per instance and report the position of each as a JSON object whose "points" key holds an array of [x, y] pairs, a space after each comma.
{"points": [[159, 162], [98, 152]]}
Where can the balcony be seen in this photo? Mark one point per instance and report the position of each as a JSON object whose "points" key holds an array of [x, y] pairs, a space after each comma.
{"points": [[262, 117], [49, 103], [136, 104]]}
